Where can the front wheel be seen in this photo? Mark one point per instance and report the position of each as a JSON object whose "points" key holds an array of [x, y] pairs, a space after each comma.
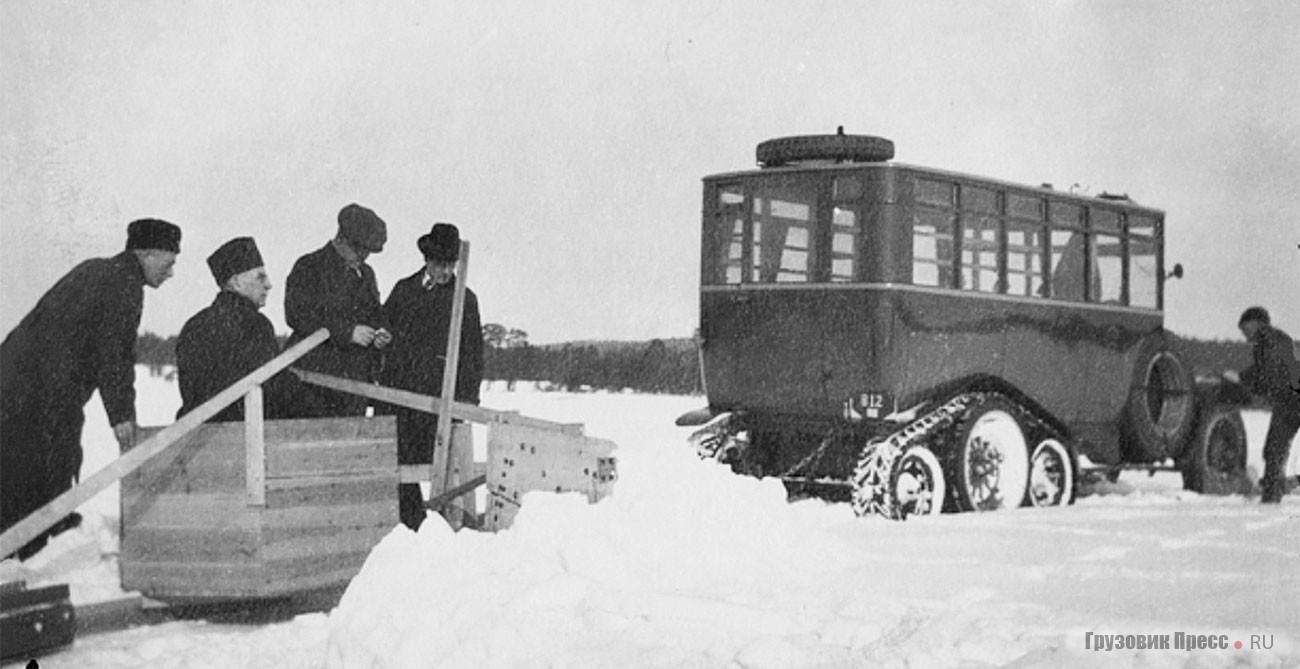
{"points": [[1215, 461]]}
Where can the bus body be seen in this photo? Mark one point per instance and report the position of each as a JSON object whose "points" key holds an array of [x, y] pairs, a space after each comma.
{"points": [[840, 297]]}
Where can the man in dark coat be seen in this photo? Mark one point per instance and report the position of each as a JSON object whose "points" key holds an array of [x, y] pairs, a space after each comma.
{"points": [[230, 339], [1275, 375], [79, 338], [419, 310], [334, 288]]}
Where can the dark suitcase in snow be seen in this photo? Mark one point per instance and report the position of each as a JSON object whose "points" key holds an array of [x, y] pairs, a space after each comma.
{"points": [[33, 622]]}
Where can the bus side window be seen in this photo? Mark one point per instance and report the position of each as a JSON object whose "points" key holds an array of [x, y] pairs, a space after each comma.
{"points": [[1107, 269], [1025, 276], [1069, 258], [932, 248]]}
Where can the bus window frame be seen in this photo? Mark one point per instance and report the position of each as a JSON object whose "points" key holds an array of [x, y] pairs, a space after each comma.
{"points": [[1084, 217]]}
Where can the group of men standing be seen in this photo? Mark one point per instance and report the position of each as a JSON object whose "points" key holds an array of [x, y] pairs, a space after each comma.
{"points": [[81, 337]]}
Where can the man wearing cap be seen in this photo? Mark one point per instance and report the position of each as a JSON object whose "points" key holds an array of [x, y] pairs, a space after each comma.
{"points": [[230, 338], [1275, 375], [79, 338], [419, 309], [334, 288]]}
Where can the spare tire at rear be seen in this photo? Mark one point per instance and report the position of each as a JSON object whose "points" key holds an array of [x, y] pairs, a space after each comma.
{"points": [[838, 148], [1160, 411]]}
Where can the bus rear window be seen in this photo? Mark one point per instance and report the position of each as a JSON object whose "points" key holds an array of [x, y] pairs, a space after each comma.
{"points": [[763, 234]]}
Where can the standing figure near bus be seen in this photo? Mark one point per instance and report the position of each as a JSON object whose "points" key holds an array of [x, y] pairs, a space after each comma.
{"points": [[1275, 375], [230, 338], [79, 338], [334, 288], [419, 310]]}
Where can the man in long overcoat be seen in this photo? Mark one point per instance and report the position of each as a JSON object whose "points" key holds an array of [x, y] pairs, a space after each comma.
{"points": [[1274, 374], [231, 338], [79, 338], [334, 288], [419, 310]]}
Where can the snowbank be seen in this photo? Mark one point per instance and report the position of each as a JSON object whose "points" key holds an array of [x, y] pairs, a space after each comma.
{"points": [[688, 565]]}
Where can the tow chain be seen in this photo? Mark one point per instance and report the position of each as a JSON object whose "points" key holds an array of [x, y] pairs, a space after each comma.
{"points": [[874, 473], [815, 455]]}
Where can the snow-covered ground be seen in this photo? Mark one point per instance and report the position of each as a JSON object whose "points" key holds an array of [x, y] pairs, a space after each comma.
{"points": [[689, 565]]}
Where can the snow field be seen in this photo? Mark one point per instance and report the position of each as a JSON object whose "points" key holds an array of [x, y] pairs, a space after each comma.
{"points": [[689, 565]]}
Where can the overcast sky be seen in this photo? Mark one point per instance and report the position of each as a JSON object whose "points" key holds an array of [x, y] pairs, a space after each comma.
{"points": [[568, 139]]}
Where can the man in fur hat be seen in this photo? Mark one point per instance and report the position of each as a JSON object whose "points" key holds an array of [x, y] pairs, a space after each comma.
{"points": [[230, 339], [419, 310], [334, 288], [79, 338]]}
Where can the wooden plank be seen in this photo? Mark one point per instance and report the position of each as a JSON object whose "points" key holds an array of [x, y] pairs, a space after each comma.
{"points": [[323, 491], [195, 545], [443, 445], [225, 510], [30, 527], [358, 541], [168, 581], [209, 459], [460, 466], [451, 494], [281, 533], [428, 403], [340, 515], [254, 448], [182, 581], [331, 458], [347, 428], [305, 577]]}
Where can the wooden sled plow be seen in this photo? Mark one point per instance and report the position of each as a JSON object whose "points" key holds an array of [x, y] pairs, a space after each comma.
{"points": [[261, 510]]}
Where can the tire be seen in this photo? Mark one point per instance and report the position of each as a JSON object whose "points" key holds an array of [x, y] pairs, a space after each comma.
{"points": [[898, 482], [989, 459], [1215, 462], [839, 148], [1052, 473], [1160, 413]]}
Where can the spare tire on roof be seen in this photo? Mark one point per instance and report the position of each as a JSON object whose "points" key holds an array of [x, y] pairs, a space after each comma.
{"points": [[839, 147]]}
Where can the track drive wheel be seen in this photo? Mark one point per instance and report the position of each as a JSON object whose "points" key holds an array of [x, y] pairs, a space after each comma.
{"points": [[898, 482], [989, 458]]}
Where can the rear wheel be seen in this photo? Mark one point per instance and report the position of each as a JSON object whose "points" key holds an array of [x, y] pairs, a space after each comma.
{"points": [[1051, 475], [989, 464], [1215, 461]]}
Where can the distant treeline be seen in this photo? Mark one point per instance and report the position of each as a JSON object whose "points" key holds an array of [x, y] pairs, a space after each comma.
{"points": [[656, 366]]}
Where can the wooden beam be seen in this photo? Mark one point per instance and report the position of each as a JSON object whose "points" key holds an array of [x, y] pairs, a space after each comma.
{"points": [[254, 448], [442, 445], [428, 403], [38, 521], [438, 501]]}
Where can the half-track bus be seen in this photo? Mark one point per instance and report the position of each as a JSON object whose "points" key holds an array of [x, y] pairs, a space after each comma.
{"points": [[921, 340]]}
